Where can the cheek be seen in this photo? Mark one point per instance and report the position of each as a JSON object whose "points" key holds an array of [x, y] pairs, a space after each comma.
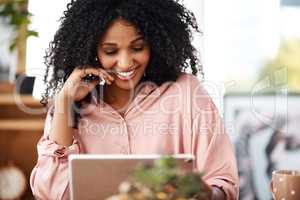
{"points": [[144, 58], [106, 62]]}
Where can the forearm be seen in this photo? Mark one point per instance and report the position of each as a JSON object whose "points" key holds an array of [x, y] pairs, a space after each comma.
{"points": [[62, 131]]}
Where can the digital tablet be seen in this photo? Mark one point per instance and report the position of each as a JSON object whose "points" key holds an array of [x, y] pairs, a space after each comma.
{"points": [[99, 176]]}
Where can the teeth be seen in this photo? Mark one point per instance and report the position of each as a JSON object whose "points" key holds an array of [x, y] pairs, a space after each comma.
{"points": [[125, 73]]}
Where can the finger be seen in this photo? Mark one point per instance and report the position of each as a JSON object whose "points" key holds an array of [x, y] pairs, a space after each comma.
{"points": [[76, 73], [84, 72], [107, 74], [105, 77]]}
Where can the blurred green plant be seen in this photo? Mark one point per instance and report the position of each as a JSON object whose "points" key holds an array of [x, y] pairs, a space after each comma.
{"points": [[162, 181], [16, 15], [285, 66]]}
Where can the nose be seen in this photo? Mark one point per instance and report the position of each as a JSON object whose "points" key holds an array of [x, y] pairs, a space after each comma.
{"points": [[125, 61]]}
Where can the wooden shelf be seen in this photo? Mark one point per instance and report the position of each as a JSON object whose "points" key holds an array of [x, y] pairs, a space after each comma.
{"points": [[9, 99], [22, 125]]}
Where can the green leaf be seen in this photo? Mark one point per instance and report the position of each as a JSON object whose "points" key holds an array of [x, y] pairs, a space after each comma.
{"points": [[32, 33], [12, 46], [165, 176], [16, 17], [189, 185], [165, 162]]}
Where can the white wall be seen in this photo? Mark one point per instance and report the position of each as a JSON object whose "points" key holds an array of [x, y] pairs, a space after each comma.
{"points": [[7, 59], [45, 22], [289, 20], [239, 36]]}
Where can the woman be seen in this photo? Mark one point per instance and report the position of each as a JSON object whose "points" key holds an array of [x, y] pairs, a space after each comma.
{"points": [[141, 49]]}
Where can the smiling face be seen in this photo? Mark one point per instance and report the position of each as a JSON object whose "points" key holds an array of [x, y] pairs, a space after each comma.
{"points": [[125, 53]]}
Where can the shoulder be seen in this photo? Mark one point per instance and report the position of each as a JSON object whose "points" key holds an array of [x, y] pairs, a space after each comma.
{"points": [[187, 88], [190, 84], [194, 90], [189, 81], [186, 77]]}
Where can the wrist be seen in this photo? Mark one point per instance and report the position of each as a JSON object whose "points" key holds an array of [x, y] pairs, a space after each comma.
{"points": [[62, 95], [62, 102]]}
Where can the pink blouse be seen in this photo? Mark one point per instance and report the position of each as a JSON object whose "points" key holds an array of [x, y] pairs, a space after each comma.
{"points": [[175, 118]]}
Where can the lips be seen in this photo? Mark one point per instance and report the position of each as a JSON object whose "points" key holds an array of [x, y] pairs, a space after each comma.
{"points": [[126, 75]]}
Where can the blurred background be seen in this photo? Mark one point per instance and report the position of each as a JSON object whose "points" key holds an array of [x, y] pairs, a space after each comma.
{"points": [[250, 51]]}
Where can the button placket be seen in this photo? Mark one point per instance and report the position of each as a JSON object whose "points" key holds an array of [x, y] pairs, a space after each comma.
{"points": [[125, 149]]}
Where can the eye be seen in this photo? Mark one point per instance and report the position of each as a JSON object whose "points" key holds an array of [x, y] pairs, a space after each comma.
{"points": [[110, 52], [138, 48]]}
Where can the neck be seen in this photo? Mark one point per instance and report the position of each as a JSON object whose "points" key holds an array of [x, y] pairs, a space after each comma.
{"points": [[117, 97]]}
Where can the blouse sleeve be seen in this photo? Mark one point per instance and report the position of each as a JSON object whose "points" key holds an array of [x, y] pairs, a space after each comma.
{"points": [[49, 178], [212, 147]]}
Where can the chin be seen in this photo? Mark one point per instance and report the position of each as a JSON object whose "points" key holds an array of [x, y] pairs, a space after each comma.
{"points": [[128, 85]]}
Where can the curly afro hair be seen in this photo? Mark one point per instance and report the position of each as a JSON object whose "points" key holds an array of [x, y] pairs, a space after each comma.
{"points": [[165, 24]]}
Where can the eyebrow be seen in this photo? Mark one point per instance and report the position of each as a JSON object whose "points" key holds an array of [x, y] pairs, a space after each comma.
{"points": [[114, 44]]}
